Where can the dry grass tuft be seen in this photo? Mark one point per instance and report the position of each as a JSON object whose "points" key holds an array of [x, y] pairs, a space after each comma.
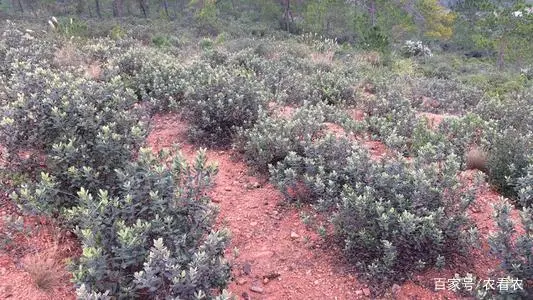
{"points": [[67, 56], [476, 158], [43, 272]]}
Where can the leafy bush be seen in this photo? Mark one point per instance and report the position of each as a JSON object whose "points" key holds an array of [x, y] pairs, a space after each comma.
{"points": [[320, 169], [403, 217], [508, 160], [272, 138], [22, 47], [84, 129], [512, 248], [415, 48], [524, 186], [157, 78], [448, 96], [222, 102], [151, 203], [391, 119], [120, 200]]}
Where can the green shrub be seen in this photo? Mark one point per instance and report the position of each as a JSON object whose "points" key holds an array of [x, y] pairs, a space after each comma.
{"points": [[448, 96], [161, 41], [83, 129], [391, 119], [272, 138], [23, 48], [508, 159], [404, 217], [154, 204], [222, 102], [524, 186], [319, 171], [514, 249], [156, 78]]}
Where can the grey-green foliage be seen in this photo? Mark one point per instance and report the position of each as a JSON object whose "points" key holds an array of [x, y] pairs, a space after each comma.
{"points": [[404, 217], [156, 77], [18, 46], [84, 129], [513, 248], [117, 197], [272, 138], [448, 96], [524, 186], [391, 119], [508, 159], [453, 135], [222, 101], [318, 172], [165, 203]]}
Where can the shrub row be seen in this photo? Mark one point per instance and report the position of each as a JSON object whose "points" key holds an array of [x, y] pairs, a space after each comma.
{"points": [[144, 222]]}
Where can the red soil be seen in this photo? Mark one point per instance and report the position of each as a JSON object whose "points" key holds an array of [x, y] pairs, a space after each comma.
{"points": [[40, 252]]}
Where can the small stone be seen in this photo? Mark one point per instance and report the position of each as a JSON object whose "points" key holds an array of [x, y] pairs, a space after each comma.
{"points": [[257, 289], [275, 212], [245, 296], [395, 288], [3, 271], [366, 291], [253, 223], [294, 235], [256, 185], [358, 292], [235, 182], [265, 280], [247, 268], [241, 281], [227, 189], [290, 268], [317, 282]]}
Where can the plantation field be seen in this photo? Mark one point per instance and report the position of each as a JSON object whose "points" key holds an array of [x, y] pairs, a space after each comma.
{"points": [[174, 159]]}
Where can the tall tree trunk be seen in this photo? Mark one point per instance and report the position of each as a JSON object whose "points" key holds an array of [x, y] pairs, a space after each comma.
{"points": [[143, 8], [287, 13], [373, 13], [21, 8], [165, 5], [118, 6], [98, 12], [501, 53]]}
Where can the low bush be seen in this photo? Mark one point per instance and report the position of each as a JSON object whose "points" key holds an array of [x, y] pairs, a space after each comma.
{"points": [[508, 160], [222, 102], [391, 119], [153, 204], [513, 248], [404, 217], [318, 172], [272, 138], [82, 129], [446, 96], [156, 78]]}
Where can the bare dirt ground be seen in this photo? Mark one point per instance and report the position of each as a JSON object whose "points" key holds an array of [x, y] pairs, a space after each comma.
{"points": [[33, 261]]}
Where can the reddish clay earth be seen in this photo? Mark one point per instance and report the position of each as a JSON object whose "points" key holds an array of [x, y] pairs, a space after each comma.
{"points": [[274, 255]]}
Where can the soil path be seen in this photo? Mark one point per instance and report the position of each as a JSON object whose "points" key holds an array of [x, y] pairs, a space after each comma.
{"points": [[274, 255]]}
